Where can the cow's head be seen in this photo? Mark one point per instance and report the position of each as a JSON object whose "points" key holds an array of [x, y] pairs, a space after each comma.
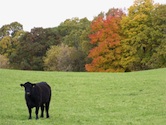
{"points": [[28, 87]]}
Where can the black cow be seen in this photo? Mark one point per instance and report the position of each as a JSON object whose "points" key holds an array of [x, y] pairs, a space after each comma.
{"points": [[37, 95]]}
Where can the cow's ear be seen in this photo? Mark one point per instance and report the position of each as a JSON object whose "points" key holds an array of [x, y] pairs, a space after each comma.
{"points": [[22, 85]]}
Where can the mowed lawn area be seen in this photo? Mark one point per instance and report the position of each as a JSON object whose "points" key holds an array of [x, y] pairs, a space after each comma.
{"points": [[135, 98]]}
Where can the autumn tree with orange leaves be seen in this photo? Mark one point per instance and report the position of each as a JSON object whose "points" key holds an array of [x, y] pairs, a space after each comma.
{"points": [[106, 36]]}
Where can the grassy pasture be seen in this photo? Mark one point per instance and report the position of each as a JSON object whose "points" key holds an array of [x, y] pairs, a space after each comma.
{"points": [[137, 98]]}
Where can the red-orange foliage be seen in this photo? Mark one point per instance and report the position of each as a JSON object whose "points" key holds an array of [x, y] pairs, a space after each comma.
{"points": [[105, 35]]}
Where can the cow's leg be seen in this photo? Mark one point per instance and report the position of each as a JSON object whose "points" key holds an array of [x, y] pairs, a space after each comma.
{"points": [[37, 110], [42, 110], [47, 108], [30, 111]]}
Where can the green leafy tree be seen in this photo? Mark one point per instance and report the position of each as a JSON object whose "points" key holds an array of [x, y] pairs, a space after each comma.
{"points": [[75, 34], [138, 31], [51, 58], [4, 62], [62, 58], [33, 46], [158, 59], [9, 35], [10, 29], [9, 40]]}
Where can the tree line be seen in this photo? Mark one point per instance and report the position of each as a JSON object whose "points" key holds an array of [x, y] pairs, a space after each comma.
{"points": [[112, 42]]}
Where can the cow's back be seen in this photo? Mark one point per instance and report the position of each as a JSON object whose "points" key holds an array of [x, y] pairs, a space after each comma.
{"points": [[45, 90]]}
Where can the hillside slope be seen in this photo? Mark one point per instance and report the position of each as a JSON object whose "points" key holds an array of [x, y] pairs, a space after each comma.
{"points": [[136, 98]]}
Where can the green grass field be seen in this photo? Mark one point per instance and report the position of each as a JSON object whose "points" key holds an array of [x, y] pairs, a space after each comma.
{"points": [[137, 98]]}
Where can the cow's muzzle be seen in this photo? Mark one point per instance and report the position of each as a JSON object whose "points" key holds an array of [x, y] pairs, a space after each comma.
{"points": [[28, 93]]}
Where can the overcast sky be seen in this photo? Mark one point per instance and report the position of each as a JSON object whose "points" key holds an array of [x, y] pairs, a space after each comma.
{"points": [[50, 13]]}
